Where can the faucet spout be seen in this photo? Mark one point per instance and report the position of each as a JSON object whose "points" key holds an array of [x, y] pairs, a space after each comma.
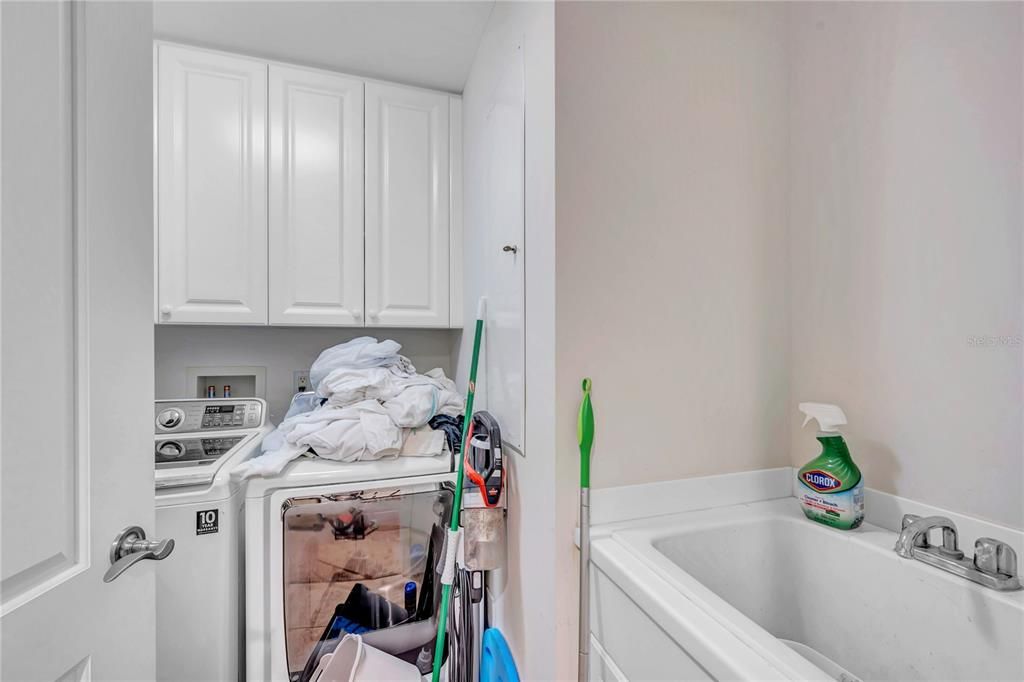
{"points": [[915, 535], [994, 564]]}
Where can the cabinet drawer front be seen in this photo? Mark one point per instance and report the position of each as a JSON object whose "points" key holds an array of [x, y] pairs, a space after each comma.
{"points": [[316, 198], [407, 207], [212, 194]]}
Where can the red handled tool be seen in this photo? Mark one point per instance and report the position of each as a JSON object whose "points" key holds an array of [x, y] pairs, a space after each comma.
{"points": [[485, 465]]}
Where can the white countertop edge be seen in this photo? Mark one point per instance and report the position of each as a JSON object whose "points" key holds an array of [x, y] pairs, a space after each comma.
{"points": [[622, 504], [644, 500]]}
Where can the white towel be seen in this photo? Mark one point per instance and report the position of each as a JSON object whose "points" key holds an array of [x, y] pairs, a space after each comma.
{"points": [[368, 414], [360, 353]]}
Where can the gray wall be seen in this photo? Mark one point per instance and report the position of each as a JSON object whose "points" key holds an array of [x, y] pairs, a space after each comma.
{"points": [[282, 350]]}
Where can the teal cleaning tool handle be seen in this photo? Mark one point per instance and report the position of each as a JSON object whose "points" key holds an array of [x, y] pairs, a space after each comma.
{"points": [[446, 590], [585, 433]]}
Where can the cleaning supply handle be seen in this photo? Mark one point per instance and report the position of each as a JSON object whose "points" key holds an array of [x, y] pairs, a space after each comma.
{"points": [[585, 436], [446, 588]]}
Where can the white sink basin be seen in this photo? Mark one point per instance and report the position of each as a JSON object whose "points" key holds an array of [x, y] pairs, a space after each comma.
{"points": [[729, 584]]}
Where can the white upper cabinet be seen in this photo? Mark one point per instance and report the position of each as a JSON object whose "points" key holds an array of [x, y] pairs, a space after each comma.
{"points": [[211, 188], [316, 198], [407, 207], [297, 196]]}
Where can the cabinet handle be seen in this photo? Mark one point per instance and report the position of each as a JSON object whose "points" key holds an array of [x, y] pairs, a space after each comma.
{"points": [[357, 313], [373, 314], [165, 310]]}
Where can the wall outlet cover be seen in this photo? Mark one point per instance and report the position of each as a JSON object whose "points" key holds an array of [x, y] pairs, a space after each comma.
{"points": [[301, 381]]}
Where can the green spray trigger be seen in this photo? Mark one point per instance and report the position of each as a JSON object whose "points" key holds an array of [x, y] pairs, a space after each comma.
{"points": [[585, 433]]}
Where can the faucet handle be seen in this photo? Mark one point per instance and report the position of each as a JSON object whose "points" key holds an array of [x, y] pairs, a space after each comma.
{"points": [[994, 557], [951, 543]]}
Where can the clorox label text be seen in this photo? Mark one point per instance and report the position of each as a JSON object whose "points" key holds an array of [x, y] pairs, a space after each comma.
{"points": [[821, 481]]}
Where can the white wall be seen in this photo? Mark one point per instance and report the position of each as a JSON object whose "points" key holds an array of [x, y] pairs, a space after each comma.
{"points": [[906, 221], [526, 602], [671, 246], [282, 350]]}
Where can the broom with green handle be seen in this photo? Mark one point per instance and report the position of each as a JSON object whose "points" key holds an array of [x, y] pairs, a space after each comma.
{"points": [[585, 436], [452, 544]]}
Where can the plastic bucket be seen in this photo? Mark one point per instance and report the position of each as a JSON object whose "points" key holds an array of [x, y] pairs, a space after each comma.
{"points": [[353, 661]]}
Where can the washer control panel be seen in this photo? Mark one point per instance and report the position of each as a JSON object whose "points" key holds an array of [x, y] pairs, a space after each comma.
{"points": [[215, 414]]}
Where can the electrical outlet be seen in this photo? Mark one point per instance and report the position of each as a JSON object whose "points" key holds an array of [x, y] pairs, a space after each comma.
{"points": [[301, 377]]}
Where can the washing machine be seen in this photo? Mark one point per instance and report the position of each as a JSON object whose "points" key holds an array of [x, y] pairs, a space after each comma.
{"points": [[199, 586], [318, 537]]}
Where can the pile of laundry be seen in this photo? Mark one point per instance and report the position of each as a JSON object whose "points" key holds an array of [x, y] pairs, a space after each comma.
{"points": [[368, 403]]}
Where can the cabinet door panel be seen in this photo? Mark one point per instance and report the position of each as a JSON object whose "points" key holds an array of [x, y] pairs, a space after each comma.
{"points": [[407, 207], [211, 178], [316, 198]]}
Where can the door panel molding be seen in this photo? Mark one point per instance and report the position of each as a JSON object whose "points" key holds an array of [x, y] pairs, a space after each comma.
{"points": [[407, 207], [212, 187], [69, 553], [316, 197]]}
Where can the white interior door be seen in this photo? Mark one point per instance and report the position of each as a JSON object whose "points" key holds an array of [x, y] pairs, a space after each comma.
{"points": [[76, 338], [407, 207], [316, 197], [212, 179]]}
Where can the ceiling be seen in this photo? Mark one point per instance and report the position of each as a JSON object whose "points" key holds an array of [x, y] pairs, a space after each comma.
{"points": [[430, 44]]}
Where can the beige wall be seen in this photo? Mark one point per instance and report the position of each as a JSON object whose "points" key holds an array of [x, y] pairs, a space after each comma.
{"points": [[671, 247], [905, 175], [671, 242], [759, 204]]}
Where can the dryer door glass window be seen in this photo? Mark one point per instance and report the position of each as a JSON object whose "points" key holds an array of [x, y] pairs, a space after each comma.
{"points": [[360, 565]]}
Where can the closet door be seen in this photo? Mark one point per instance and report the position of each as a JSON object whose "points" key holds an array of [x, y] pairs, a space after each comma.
{"points": [[407, 207], [212, 187], [316, 198]]}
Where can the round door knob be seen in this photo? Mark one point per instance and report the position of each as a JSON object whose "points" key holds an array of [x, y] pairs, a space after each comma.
{"points": [[165, 310], [357, 313], [374, 314]]}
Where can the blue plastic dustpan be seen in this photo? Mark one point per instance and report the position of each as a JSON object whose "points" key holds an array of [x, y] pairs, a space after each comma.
{"points": [[496, 663]]}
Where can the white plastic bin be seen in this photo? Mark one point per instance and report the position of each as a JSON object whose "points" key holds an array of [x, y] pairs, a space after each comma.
{"points": [[354, 661]]}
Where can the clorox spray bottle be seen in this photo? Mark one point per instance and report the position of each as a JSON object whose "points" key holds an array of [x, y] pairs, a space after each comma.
{"points": [[831, 489]]}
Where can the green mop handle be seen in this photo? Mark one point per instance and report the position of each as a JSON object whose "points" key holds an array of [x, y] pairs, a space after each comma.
{"points": [[585, 436], [585, 433], [446, 591]]}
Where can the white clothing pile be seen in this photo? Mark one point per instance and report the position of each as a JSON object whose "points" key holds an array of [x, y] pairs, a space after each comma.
{"points": [[374, 407]]}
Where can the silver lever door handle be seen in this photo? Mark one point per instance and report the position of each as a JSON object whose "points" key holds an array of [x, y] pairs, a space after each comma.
{"points": [[130, 547]]}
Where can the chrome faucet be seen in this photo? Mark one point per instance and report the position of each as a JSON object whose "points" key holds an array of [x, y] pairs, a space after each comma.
{"points": [[994, 564]]}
